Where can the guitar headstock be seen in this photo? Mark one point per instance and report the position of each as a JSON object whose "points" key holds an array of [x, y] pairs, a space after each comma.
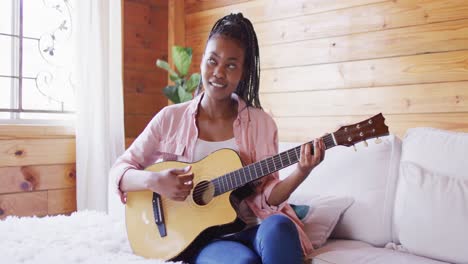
{"points": [[370, 128]]}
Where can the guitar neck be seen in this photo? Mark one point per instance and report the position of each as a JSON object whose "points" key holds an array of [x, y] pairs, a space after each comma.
{"points": [[257, 170]]}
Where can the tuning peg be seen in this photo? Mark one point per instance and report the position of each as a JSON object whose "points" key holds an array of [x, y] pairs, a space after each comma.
{"points": [[366, 144], [378, 141], [355, 149]]}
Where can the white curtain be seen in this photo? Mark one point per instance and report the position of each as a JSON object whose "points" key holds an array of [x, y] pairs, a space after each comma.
{"points": [[99, 126]]}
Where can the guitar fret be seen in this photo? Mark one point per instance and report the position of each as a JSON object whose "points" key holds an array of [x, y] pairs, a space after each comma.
{"points": [[226, 183], [233, 178], [264, 167], [261, 169], [230, 181], [220, 188], [220, 185], [274, 164], [236, 178], [245, 178]]}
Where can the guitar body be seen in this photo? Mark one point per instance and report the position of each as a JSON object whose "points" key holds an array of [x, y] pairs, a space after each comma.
{"points": [[184, 221]]}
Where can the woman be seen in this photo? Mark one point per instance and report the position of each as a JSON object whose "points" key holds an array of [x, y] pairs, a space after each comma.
{"points": [[227, 114]]}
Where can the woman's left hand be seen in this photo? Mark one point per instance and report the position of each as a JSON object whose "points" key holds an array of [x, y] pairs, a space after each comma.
{"points": [[309, 160]]}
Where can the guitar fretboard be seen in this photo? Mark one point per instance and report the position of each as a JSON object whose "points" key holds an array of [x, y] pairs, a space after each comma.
{"points": [[254, 171]]}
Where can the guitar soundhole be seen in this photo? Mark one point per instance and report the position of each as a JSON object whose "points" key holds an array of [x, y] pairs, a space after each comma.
{"points": [[203, 193]]}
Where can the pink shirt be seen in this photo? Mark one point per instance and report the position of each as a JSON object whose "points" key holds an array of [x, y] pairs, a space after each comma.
{"points": [[172, 134]]}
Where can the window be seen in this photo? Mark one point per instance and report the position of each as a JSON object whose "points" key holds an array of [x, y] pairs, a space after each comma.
{"points": [[36, 51]]}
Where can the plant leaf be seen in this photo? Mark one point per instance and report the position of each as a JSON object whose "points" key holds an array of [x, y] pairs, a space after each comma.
{"points": [[174, 78], [182, 59], [192, 82], [171, 92], [184, 95], [164, 65]]}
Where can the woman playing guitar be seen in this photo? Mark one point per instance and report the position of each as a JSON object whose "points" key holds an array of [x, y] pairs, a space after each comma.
{"points": [[227, 114]]}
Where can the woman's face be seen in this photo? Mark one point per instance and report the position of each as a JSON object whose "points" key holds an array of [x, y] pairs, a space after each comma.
{"points": [[222, 67]]}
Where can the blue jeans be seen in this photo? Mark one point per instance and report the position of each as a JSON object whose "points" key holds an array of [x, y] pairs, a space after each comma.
{"points": [[275, 240]]}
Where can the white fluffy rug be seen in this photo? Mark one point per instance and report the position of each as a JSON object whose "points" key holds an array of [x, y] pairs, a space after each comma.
{"points": [[83, 237]]}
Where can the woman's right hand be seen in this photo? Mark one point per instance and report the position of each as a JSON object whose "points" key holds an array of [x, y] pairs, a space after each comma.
{"points": [[174, 184]]}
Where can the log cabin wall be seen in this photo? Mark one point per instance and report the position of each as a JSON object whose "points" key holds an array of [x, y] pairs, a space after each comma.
{"points": [[325, 63], [37, 170], [145, 33]]}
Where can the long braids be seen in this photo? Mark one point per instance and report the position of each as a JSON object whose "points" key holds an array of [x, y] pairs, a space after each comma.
{"points": [[239, 28]]}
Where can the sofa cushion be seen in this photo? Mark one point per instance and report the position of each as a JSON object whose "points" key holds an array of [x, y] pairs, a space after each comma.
{"points": [[432, 213], [369, 176], [356, 252], [322, 216], [437, 150], [434, 174]]}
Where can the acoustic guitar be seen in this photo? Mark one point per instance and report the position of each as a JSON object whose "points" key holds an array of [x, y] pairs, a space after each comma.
{"points": [[161, 228]]}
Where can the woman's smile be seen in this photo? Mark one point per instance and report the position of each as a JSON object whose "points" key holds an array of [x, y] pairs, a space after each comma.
{"points": [[217, 84]]}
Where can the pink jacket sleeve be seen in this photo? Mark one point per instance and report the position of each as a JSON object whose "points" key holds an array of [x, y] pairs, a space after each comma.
{"points": [[142, 153]]}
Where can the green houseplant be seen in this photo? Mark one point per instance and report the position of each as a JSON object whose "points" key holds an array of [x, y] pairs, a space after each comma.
{"points": [[184, 86]]}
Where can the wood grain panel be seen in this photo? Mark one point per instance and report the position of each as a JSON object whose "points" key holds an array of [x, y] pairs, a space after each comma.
{"points": [[192, 6], [61, 201], [176, 28], [143, 59], [23, 204], [145, 38], [417, 69], [144, 82], [36, 152], [134, 124], [302, 129], [36, 178], [439, 37], [138, 103], [267, 10], [36, 131], [359, 19], [176, 25], [428, 98], [146, 14]]}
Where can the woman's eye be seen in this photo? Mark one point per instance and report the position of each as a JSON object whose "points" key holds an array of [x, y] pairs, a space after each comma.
{"points": [[232, 66], [211, 61]]}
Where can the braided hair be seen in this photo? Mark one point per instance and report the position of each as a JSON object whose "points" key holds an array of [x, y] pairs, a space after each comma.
{"points": [[237, 27]]}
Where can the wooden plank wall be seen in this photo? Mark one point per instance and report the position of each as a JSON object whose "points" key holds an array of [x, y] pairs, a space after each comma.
{"points": [[326, 63], [145, 40], [37, 170]]}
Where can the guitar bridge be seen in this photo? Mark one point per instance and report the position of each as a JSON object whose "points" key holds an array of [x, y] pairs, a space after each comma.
{"points": [[159, 214]]}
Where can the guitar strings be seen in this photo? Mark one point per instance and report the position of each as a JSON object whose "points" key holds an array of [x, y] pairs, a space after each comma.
{"points": [[228, 177], [269, 162], [218, 185]]}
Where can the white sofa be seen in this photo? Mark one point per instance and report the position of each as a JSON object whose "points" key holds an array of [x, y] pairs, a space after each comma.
{"points": [[410, 199]]}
